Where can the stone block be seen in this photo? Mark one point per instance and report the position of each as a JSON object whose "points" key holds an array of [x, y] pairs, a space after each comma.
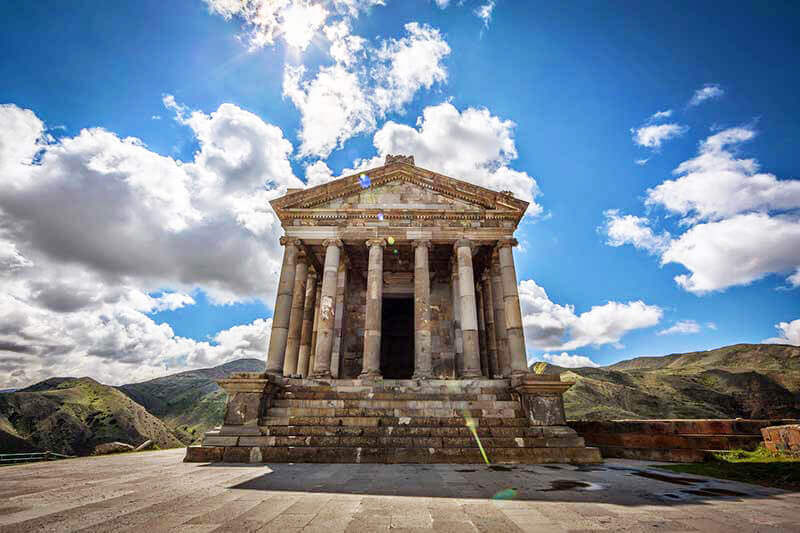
{"points": [[203, 454], [782, 438], [220, 440], [261, 440]]}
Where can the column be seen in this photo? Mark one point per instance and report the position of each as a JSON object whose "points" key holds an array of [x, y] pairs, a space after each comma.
{"points": [[488, 313], [469, 315], [308, 324], [296, 316], [327, 303], [458, 338], [314, 329], [485, 370], [283, 308], [371, 362], [423, 368], [340, 314], [501, 335], [516, 337]]}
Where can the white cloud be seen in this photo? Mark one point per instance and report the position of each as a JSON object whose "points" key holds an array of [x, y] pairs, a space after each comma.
{"points": [[741, 223], [364, 83], [97, 231], [794, 279], [551, 326], [682, 327], [707, 92], [642, 162], [789, 333], [658, 115], [484, 12], [569, 361], [630, 229], [652, 136]]}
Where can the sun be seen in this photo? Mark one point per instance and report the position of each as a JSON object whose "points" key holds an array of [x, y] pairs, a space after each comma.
{"points": [[299, 23]]}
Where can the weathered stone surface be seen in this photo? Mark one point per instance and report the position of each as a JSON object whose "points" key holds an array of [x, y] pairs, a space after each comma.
{"points": [[146, 445], [112, 447], [782, 438]]}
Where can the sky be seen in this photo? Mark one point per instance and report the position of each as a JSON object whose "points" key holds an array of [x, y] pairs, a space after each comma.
{"points": [[140, 144]]}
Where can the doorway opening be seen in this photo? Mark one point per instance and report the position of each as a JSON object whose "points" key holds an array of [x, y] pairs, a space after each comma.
{"points": [[397, 338]]}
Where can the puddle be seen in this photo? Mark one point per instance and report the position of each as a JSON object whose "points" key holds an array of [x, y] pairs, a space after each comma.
{"points": [[465, 470], [501, 468], [711, 491], [676, 480], [571, 484], [590, 468]]}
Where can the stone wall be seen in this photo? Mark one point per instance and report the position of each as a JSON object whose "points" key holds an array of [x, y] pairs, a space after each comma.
{"points": [[442, 342], [353, 338]]}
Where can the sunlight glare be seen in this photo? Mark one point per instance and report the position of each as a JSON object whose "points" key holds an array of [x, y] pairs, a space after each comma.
{"points": [[300, 22]]}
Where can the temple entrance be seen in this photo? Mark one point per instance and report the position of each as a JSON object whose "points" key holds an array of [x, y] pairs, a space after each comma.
{"points": [[397, 338]]}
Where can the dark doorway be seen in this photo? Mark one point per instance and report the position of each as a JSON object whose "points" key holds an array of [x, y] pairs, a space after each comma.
{"points": [[397, 338]]}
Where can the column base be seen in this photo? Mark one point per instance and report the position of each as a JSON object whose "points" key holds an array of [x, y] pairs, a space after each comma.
{"points": [[370, 375], [422, 375], [475, 374], [322, 375]]}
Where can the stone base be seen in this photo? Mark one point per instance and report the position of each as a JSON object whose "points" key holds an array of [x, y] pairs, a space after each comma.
{"points": [[393, 421]]}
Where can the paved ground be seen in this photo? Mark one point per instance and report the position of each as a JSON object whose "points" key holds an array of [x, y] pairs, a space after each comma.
{"points": [[155, 491]]}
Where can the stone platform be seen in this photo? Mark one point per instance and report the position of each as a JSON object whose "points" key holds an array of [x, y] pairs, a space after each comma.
{"points": [[391, 421]]}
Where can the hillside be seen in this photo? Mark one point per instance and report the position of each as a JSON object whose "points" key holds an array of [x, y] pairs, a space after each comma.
{"points": [[189, 402], [72, 415], [744, 380]]}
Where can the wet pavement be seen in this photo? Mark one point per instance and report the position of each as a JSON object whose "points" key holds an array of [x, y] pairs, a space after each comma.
{"points": [[155, 491]]}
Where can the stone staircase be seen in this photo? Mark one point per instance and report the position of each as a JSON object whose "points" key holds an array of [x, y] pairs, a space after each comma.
{"points": [[395, 421]]}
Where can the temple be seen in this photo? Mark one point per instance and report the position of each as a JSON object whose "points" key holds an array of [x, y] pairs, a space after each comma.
{"points": [[397, 334]]}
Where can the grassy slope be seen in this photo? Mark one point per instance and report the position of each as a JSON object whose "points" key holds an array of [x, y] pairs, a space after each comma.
{"points": [[744, 380], [72, 415], [189, 402]]}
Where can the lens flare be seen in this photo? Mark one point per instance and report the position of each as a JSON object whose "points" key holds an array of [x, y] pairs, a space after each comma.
{"points": [[470, 422], [364, 181], [390, 240], [380, 216], [505, 494]]}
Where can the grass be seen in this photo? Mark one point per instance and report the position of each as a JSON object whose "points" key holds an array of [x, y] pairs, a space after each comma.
{"points": [[760, 467]]}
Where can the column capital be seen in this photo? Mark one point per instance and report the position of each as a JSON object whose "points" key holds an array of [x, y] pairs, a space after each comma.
{"points": [[302, 257], [332, 242], [421, 242], [375, 242], [290, 241], [462, 243], [502, 243]]}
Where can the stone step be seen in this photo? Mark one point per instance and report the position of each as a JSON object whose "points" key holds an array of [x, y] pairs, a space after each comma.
{"points": [[280, 412], [419, 431], [394, 404], [489, 443], [454, 421], [310, 454], [291, 394]]}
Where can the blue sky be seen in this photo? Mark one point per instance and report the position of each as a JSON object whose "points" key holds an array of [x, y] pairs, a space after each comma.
{"points": [[564, 90]]}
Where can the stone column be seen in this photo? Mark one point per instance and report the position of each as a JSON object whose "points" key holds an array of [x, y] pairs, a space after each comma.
{"points": [[469, 315], [458, 338], [314, 329], [485, 370], [327, 304], [501, 335], [516, 336], [488, 313], [296, 316], [308, 324], [423, 368], [283, 308], [371, 362], [339, 326]]}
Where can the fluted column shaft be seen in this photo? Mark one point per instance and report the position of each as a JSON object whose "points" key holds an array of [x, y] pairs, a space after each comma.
{"points": [[296, 316], [501, 335], [488, 313], [314, 329], [283, 308], [423, 368], [516, 336], [306, 332], [371, 363], [469, 315], [327, 303], [482, 331]]}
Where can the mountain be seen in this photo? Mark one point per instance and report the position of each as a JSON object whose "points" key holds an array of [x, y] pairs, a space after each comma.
{"points": [[189, 402], [73, 415], [743, 380]]}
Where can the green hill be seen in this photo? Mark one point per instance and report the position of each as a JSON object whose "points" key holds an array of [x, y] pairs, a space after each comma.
{"points": [[189, 402], [73, 415], [743, 380]]}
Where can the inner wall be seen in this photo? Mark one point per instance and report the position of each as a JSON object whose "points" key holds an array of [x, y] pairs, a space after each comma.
{"points": [[397, 338]]}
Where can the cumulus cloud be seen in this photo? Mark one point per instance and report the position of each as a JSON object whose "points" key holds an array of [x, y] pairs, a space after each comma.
{"points": [[484, 12], [569, 361], [682, 327], [654, 135], [707, 92], [739, 224], [97, 232], [789, 333], [552, 326]]}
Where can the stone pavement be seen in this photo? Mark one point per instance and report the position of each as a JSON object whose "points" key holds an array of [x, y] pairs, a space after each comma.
{"points": [[155, 491]]}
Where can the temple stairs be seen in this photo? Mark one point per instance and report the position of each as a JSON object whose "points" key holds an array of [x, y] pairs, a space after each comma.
{"points": [[394, 421]]}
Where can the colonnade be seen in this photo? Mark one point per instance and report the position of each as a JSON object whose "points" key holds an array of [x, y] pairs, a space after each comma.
{"points": [[488, 335]]}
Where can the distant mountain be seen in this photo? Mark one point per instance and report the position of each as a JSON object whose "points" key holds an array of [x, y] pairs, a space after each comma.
{"points": [[73, 415], [743, 380], [189, 402]]}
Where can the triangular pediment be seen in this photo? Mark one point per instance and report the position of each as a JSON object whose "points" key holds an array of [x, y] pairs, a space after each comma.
{"points": [[398, 187]]}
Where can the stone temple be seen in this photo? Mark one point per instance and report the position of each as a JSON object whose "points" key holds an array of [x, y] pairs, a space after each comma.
{"points": [[397, 335]]}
